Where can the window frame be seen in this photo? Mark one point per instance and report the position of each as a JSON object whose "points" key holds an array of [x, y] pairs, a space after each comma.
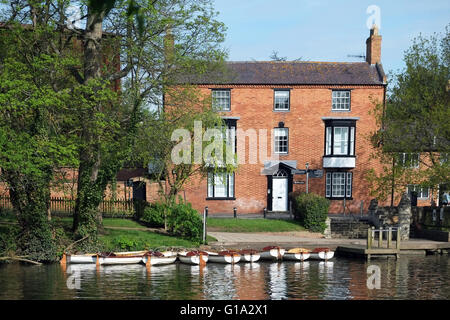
{"points": [[228, 197], [412, 163], [349, 100], [420, 192], [275, 141], [274, 100], [229, 99], [351, 137], [348, 192]]}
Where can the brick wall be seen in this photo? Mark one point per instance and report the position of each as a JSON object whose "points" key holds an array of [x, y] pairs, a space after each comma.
{"points": [[308, 104]]}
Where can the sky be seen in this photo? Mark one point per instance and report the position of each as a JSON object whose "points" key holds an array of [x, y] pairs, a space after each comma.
{"points": [[327, 30]]}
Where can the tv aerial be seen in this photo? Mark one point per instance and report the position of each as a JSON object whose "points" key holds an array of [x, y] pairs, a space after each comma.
{"points": [[360, 56]]}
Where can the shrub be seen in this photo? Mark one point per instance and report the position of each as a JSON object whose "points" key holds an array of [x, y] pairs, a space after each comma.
{"points": [[312, 211], [126, 243], [185, 221], [153, 214]]}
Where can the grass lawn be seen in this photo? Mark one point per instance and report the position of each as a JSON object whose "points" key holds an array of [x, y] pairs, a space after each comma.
{"points": [[252, 225], [125, 239]]}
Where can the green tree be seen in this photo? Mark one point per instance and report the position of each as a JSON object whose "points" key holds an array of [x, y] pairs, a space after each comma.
{"points": [[415, 120], [35, 135], [122, 33], [175, 142]]}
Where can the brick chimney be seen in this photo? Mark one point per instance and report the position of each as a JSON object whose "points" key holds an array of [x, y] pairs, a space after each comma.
{"points": [[373, 46]]}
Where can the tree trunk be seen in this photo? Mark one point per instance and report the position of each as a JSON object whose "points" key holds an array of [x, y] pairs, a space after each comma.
{"points": [[89, 191], [30, 198]]}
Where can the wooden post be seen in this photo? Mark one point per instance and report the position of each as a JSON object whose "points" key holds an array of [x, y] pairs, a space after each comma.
{"points": [[205, 214], [202, 262], [380, 238], [389, 238], [369, 238], [63, 261], [398, 239]]}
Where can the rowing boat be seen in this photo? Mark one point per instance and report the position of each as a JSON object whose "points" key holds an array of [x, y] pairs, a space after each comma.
{"points": [[156, 258], [81, 258], [193, 257], [272, 253], [92, 257], [249, 255], [322, 254], [228, 256], [111, 258], [297, 254]]}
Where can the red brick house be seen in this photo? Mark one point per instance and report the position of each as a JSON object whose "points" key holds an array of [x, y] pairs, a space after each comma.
{"points": [[318, 113]]}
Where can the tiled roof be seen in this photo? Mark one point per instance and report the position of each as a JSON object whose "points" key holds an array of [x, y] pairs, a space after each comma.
{"points": [[293, 72]]}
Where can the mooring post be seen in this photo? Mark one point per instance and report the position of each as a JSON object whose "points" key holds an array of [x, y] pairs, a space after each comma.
{"points": [[290, 209], [389, 238], [369, 238], [380, 238], [398, 239], [205, 214]]}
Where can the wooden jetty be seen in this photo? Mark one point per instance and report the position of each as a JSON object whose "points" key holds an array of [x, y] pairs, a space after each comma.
{"points": [[376, 246], [381, 243]]}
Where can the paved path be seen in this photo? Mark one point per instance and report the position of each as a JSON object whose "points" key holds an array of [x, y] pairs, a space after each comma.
{"points": [[258, 240]]}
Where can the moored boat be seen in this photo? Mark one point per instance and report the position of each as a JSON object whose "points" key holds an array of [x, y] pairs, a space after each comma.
{"points": [[249, 255], [297, 254], [322, 254], [111, 258], [193, 257], [80, 258], [228, 256], [272, 253], [156, 258]]}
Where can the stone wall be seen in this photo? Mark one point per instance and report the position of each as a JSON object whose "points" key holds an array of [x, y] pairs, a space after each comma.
{"points": [[349, 228], [400, 216]]}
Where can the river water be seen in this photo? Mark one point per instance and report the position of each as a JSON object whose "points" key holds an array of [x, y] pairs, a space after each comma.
{"points": [[410, 277]]}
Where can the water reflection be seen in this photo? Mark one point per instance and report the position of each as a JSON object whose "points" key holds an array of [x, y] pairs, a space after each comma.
{"points": [[410, 277], [277, 287]]}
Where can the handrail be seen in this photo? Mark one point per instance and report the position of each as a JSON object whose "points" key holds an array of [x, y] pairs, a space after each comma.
{"points": [[371, 237]]}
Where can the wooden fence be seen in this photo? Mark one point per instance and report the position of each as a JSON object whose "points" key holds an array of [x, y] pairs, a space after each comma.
{"points": [[67, 206]]}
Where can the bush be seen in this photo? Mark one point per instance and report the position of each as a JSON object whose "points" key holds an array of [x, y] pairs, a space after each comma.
{"points": [[153, 214], [312, 211], [185, 221]]}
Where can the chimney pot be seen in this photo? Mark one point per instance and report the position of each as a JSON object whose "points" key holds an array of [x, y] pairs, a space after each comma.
{"points": [[373, 46]]}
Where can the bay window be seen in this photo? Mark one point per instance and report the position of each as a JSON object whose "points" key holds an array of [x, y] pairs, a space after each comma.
{"points": [[340, 138]]}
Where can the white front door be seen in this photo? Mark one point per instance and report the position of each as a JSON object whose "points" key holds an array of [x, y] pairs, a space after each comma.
{"points": [[279, 194]]}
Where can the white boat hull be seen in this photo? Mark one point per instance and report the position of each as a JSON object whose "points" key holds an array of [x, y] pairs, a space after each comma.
{"points": [[194, 260], [250, 257], [322, 255], [119, 260], [83, 259], [218, 258], [273, 254], [155, 261], [302, 256]]}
